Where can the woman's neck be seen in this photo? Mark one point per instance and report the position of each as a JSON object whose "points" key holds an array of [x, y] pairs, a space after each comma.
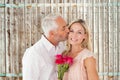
{"points": [[75, 49]]}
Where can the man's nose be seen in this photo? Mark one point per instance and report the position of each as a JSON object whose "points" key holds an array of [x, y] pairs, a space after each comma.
{"points": [[67, 30]]}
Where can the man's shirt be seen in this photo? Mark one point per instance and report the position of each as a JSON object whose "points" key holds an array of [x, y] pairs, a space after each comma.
{"points": [[39, 60]]}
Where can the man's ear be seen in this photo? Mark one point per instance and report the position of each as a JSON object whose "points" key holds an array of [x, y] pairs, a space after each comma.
{"points": [[51, 33]]}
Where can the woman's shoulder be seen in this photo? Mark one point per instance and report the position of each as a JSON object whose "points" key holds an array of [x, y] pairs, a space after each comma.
{"points": [[87, 54]]}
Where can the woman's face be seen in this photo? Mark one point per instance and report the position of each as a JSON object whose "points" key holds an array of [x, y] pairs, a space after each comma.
{"points": [[76, 34]]}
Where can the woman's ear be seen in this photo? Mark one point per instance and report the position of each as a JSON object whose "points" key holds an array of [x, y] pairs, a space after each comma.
{"points": [[85, 36]]}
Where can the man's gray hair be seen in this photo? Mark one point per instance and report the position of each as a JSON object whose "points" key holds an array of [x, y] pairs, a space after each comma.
{"points": [[49, 23]]}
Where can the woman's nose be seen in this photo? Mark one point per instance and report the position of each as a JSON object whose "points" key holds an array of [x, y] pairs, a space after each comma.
{"points": [[74, 34]]}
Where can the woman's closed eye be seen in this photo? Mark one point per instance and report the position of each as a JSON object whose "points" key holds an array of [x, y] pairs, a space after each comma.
{"points": [[80, 32], [71, 31]]}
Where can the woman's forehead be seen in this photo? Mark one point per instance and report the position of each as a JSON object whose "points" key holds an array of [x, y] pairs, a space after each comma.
{"points": [[77, 26]]}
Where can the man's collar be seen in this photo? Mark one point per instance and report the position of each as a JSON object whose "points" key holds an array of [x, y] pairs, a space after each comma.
{"points": [[47, 43]]}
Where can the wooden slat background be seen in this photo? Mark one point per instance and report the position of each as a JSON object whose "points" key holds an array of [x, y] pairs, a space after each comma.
{"points": [[20, 28]]}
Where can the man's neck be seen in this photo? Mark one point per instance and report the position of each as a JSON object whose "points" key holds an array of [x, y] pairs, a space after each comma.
{"points": [[52, 40]]}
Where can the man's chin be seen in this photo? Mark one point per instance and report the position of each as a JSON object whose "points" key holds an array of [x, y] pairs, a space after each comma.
{"points": [[65, 39]]}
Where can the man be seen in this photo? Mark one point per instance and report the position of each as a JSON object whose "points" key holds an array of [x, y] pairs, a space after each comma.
{"points": [[38, 60]]}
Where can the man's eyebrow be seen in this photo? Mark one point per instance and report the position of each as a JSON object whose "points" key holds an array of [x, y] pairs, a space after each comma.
{"points": [[67, 24]]}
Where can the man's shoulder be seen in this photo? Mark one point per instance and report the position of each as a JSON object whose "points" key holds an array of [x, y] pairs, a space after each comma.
{"points": [[32, 53], [37, 47]]}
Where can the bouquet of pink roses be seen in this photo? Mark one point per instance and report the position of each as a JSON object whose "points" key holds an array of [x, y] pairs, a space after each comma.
{"points": [[63, 63]]}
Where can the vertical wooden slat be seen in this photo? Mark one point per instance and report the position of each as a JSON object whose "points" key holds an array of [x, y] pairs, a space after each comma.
{"points": [[2, 41], [28, 23], [34, 24], [77, 11], [118, 35], [82, 9], [111, 39], [96, 29], [12, 41], [8, 36], [65, 11], [115, 51], [47, 8], [37, 28], [87, 12], [85, 9], [100, 36], [69, 11], [39, 16], [19, 26], [73, 9], [52, 8], [16, 53], [57, 6], [60, 8], [105, 40], [20, 47], [90, 21], [22, 29]]}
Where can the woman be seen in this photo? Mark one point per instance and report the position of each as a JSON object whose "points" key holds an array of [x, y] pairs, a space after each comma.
{"points": [[84, 62]]}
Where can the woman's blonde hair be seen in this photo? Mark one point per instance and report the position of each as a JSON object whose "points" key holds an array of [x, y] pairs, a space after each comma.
{"points": [[86, 42]]}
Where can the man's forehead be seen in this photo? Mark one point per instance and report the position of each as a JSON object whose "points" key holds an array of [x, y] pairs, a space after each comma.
{"points": [[59, 18]]}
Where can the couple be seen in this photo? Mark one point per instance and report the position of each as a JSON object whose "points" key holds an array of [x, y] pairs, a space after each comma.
{"points": [[39, 60]]}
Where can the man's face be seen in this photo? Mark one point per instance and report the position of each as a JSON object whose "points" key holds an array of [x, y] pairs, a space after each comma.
{"points": [[62, 30]]}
